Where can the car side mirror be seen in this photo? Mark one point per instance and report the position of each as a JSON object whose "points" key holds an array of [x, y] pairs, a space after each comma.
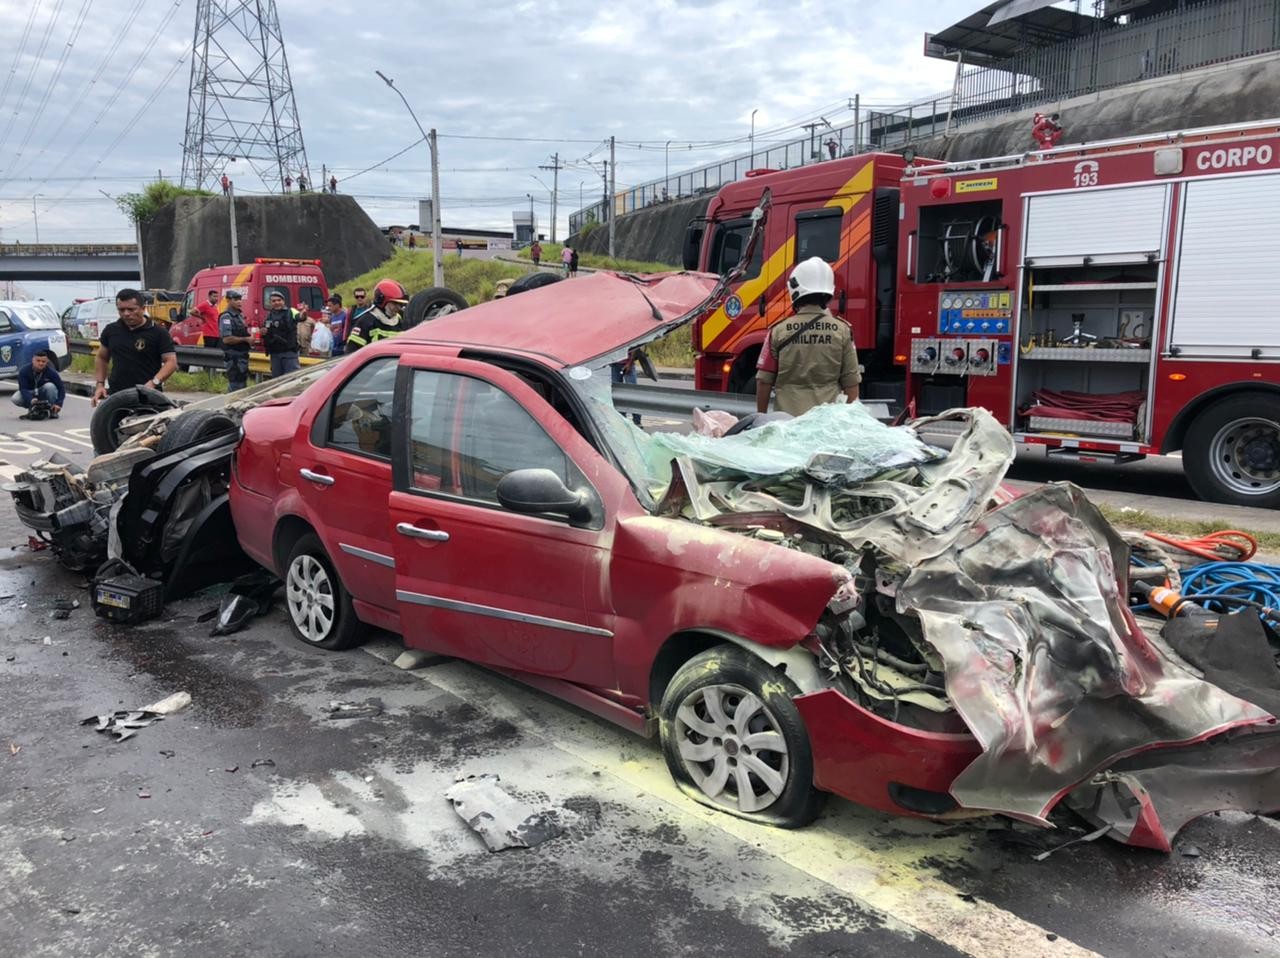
{"points": [[541, 490]]}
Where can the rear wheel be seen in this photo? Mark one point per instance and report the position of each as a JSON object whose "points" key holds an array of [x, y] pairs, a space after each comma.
{"points": [[734, 740], [319, 605], [104, 426], [1232, 451], [194, 426]]}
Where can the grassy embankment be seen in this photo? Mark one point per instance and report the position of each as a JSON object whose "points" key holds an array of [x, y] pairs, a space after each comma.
{"points": [[675, 350], [475, 279]]}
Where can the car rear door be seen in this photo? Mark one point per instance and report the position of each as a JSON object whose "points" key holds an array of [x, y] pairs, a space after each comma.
{"points": [[510, 590]]}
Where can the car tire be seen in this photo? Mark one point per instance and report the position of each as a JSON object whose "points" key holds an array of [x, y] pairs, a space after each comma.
{"points": [[1231, 452], [529, 281], [319, 606], [105, 422], [427, 304], [763, 772], [193, 426]]}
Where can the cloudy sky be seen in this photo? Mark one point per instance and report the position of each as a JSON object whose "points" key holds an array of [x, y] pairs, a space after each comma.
{"points": [[93, 97]]}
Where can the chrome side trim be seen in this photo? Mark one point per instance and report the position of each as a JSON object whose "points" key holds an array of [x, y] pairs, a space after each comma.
{"points": [[359, 553], [453, 605]]}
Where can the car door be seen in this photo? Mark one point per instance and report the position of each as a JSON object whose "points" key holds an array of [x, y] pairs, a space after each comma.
{"points": [[10, 343], [475, 580], [341, 466]]}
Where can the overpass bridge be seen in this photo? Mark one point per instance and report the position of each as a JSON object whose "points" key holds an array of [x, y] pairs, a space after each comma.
{"points": [[69, 261]]}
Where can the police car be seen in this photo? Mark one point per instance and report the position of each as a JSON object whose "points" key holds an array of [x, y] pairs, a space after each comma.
{"points": [[26, 328]]}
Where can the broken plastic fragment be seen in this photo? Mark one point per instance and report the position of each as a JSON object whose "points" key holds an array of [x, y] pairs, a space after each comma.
{"points": [[499, 818]]}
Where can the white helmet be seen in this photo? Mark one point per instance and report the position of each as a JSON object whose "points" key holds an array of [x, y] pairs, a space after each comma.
{"points": [[812, 276]]}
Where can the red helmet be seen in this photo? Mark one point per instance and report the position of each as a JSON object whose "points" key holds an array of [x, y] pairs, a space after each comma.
{"points": [[388, 290]]}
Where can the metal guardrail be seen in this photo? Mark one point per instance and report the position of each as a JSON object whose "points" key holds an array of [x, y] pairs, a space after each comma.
{"points": [[199, 356]]}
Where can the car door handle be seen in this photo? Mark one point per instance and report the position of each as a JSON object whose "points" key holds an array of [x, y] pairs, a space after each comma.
{"points": [[316, 477], [409, 529]]}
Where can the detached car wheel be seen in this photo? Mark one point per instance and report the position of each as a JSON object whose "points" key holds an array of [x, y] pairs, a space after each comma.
{"points": [[320, 609], [432, 302], [734, 740], [194, 426], [104, 425]]}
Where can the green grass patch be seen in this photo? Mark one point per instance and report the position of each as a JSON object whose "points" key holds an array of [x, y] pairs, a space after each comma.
{"points": [[413, 269], [675, 350], [1142, 521]]}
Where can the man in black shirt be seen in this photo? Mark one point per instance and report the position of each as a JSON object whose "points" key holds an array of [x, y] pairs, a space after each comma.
{"points": [[137, 351], [280, 336]]}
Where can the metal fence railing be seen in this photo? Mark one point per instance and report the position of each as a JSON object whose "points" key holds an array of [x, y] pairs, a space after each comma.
{"points": [[1112, 55], [1116, 54]]}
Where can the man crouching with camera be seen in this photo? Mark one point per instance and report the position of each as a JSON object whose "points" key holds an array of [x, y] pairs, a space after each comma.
{"points": [[40, 389]]}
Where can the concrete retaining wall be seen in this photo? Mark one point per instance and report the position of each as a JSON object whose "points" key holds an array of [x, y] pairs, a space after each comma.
{"points": [[194, 232], [1227, 93]]}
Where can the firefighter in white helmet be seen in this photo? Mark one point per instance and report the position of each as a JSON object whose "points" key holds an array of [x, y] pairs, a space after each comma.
{"points": [[808, 358]]}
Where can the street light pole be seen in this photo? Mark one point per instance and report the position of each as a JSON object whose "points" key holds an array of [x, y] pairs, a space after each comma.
{"points": [[438, 264], [533, 230], [753, 136], [666, 168], [35, 216]]}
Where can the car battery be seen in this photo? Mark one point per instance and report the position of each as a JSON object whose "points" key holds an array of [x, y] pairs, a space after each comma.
{"points": [[127, 598]]}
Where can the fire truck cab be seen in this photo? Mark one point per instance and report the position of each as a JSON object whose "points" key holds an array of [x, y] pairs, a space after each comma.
{"points": [[1107, 301], [845, 211]]}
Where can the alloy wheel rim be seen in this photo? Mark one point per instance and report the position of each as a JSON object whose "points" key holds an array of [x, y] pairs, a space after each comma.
{"points": [[732, 747], [1245, 456], [309, 593]]}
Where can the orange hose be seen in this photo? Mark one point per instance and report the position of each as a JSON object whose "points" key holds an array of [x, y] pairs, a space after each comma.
{"points": [[1225, 545]]}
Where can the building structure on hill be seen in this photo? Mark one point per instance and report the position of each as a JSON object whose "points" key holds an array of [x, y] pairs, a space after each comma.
{"points": [[1012, 57]]}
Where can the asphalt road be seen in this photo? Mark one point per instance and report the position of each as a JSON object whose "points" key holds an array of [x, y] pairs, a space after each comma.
{"points": [[252, 824], [176, 842]]}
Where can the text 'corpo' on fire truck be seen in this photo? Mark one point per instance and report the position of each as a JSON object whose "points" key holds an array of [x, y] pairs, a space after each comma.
{"points": [[1108, 301]]}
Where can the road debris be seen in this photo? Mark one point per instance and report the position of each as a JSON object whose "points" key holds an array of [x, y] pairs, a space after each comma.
{"points": [[263, 763], [250, 596], [351, 710], [498, 817], [125, 723], [173, 703]]}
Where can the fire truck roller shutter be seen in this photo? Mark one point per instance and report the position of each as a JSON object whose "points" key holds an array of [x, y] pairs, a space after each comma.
{"points": [[1227, 302], [1107, 225]]}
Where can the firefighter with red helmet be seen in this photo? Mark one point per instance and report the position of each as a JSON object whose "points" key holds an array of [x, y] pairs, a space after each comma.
{"points": [[383, 320]]}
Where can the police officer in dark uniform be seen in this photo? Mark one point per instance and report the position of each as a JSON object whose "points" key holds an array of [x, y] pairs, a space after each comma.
{"points": [[235, 342]]}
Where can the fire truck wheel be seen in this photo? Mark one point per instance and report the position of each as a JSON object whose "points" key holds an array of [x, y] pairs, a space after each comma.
{"points": [[1232, 451]]}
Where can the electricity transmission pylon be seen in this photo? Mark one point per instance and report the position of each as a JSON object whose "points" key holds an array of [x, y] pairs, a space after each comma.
{"points": [[241, 104]]}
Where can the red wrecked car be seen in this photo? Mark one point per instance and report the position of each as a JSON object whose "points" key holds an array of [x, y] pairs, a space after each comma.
{"points": [[822, 604]]}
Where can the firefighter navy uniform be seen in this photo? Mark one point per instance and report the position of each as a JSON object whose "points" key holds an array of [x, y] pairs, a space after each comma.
{"points": [[372, 326]]}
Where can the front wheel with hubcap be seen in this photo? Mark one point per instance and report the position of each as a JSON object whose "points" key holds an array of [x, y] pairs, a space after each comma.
{"points": [[320, 609], [733, 739], [1232, 451]]}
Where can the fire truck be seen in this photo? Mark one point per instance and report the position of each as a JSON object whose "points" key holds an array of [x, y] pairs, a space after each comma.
{"points": [[1105, 301]]}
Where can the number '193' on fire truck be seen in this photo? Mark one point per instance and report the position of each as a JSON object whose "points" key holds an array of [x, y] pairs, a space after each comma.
{"points": [[1109, 300]]}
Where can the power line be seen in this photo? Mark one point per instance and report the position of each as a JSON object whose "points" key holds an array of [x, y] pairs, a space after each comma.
{"points": [[31, 73], [57, 75], [76, 102], [21, 48], [120, 87]]}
